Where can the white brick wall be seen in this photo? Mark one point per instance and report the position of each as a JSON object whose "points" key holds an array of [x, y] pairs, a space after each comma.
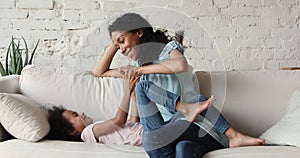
{"points": [[219, 34], [35, 4], [7, 4]]}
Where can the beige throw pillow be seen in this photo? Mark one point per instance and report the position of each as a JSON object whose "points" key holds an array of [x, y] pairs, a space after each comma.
{"points": [[22, 117], [287, 130]]}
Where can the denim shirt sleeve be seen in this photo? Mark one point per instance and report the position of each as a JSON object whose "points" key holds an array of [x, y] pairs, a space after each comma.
{"points": [[135, 63], [165, 54]]}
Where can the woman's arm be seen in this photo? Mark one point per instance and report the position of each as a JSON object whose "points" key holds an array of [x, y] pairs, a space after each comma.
{"points": [[176, 64], [121, 116], [102, 68]]}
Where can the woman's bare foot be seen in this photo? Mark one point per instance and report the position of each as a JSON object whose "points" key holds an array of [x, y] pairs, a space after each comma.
{"points": [[191, 111], [237, 139]]}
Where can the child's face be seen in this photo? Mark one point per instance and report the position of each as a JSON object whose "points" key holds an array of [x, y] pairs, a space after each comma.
{"points": [[78, 121]]}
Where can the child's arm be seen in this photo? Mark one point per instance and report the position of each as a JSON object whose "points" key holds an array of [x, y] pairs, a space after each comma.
{"points": [[102, 68], [122, 113], [134, 115]]}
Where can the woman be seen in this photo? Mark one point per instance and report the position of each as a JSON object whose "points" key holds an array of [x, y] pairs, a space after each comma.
{"points": [[161, 61]]}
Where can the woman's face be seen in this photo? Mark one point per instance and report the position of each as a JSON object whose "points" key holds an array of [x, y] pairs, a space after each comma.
{"points": [[78, 121], [127, 42]]}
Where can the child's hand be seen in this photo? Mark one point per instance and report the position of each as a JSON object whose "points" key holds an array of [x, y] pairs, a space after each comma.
{"points": [[125, 69], [131, 78]]}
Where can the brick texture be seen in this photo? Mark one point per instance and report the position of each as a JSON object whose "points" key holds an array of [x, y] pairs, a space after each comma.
{"points": [[219, 34]]}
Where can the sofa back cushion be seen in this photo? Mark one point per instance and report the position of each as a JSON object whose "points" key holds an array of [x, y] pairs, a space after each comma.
{"points": [[8, 84], [98, 98], [252, 101]]}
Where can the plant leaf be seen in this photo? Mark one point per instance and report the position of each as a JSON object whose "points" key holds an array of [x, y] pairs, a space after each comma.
{"points": [[33, 52], [19, 63], [26, 52], [13, 57], [2, 70], [6, 60]]}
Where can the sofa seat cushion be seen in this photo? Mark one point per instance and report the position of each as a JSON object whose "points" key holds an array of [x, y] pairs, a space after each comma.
{"points": [[65, 149], [256, 152]]}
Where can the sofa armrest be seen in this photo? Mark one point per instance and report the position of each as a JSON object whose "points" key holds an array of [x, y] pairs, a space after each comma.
{"points": [[9, 84]]}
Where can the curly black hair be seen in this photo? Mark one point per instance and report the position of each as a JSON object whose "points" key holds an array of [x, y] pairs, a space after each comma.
{"points": [[60, 127], [151, 43]]}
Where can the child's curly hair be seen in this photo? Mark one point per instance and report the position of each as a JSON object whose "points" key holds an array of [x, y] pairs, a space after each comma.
{"points": [[60, 127]]}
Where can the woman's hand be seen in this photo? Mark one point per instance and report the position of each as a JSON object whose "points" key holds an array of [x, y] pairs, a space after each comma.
{"points": [[125, 69]]}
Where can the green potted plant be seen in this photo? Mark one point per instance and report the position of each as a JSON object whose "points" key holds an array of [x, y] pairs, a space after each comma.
{"points": [[14, 62]]}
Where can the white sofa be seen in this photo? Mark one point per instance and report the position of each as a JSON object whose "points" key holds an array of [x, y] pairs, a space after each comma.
{"points": [[253, 101]]}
